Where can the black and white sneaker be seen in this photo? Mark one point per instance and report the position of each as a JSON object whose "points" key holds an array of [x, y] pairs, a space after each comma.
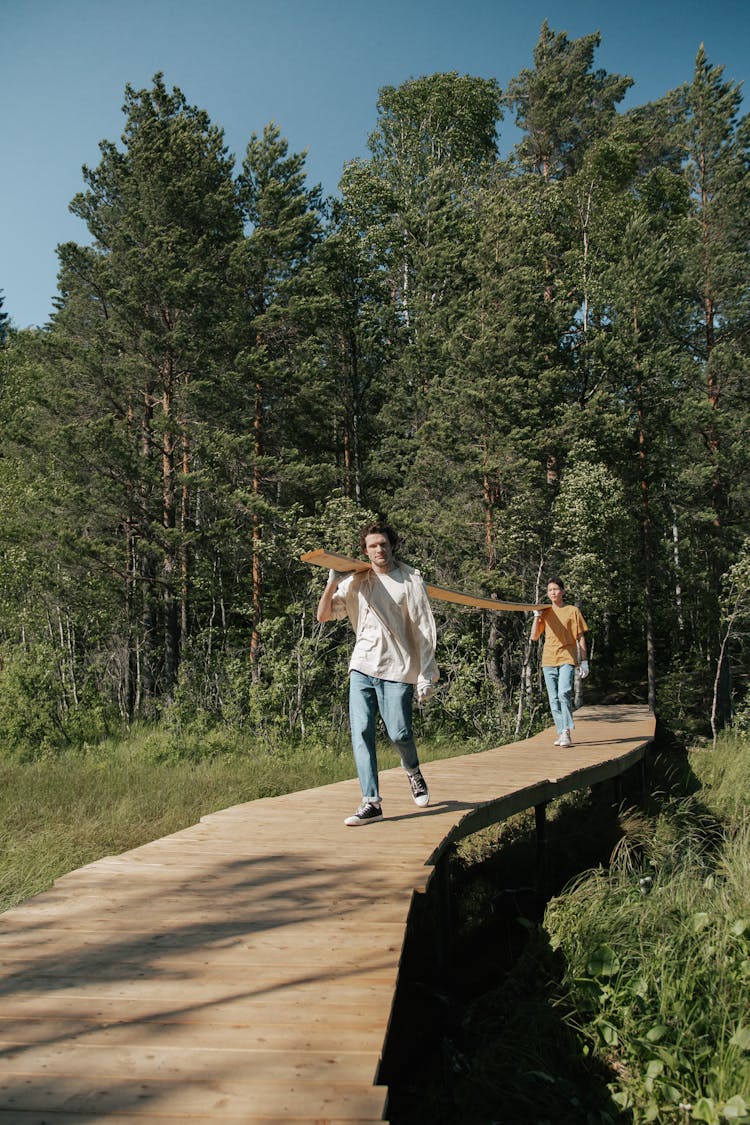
{"points": [[419, 790], [365, 814]]}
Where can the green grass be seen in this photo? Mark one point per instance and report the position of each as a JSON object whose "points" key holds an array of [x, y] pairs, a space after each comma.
{"points": [[66, 810]]}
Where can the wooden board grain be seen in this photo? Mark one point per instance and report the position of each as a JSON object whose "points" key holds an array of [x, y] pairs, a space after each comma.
{"points": [[332, 561]]}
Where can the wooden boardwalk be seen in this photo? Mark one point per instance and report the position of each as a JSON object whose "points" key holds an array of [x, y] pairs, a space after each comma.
{"points": [[244, 969]]}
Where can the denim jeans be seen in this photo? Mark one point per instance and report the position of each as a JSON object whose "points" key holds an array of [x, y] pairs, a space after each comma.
{"points": [[559, 683], [369, 695]]}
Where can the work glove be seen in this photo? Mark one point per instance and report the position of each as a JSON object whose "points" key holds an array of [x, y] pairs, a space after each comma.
{"points": [[583, 669], [336, 576], [425, 690]]}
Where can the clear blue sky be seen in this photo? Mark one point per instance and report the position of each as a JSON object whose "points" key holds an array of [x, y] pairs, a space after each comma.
{"points": [[312, 66]]}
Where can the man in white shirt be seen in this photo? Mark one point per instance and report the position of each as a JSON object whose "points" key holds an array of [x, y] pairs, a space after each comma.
{"points": [[393, 656]]}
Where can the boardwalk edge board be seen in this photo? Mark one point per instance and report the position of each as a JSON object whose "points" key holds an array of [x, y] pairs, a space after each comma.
{"points": [[332, 561]]}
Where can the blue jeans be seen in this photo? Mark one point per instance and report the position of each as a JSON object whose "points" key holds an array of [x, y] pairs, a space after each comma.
{"points": [[369, 695], [559, 683]]}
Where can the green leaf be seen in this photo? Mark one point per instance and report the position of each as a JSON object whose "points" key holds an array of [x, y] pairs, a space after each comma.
{"points": [[735, 1108], [705, 1110], [699, 921], [654, 1068], [608, 1032], [741, 1038], [603, 962], [657, 1032]]}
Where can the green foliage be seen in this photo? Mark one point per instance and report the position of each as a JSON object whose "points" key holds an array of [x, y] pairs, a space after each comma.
{"points": [[562, 105], [30, 703], [38, 715], [656, 952], [4, 321], [590, 516]]}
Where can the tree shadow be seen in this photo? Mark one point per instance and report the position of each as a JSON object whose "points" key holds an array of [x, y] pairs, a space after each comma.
{"points": [[106, 963]]}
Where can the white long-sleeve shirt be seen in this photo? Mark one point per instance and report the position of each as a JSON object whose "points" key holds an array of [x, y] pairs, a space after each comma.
{"points": [[393, 623]]}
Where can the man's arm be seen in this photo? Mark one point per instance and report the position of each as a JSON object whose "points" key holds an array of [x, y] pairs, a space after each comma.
{"points": [[325, 605]]}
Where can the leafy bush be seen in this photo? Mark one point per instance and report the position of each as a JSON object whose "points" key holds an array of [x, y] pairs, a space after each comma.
{"points": [[38, 715], [657, 955]]}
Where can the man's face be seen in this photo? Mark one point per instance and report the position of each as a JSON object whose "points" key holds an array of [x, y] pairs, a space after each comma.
{"points": [[379, 551], [555, 593]]}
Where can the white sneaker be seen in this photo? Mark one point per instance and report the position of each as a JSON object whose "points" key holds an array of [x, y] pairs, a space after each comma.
{"points": [[564, 739]]}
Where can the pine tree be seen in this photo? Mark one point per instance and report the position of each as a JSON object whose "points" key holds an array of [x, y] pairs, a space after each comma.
{"points": [[142, 326], [274, 325], [4, 321], [716, 143], [561, 105]]}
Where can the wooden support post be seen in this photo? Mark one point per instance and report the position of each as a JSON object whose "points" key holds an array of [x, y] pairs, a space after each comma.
{"points": [[642, 777], [540, 820], [443, 929]]}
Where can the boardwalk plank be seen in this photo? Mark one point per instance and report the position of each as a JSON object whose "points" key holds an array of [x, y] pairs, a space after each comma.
{"points": [[32, 1117], [145, 1062], [220, 1096]]}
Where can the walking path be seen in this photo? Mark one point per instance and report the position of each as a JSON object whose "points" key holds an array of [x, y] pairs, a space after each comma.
{"points": [[243, 969]]}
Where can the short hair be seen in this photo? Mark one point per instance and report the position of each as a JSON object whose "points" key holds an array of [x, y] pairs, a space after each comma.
{"points": [[377, 527], [556, 582]]}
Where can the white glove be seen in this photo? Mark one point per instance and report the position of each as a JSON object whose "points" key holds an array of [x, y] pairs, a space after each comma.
{"points": [[336, 576], [583, 669], [425, 690], [538, 612]]}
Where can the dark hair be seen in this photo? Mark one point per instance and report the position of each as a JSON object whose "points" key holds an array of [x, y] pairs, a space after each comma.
{"points": [[557, 582], [377, 528]]}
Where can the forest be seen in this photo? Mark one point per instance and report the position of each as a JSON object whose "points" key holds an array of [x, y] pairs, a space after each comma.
{"points": [[532, 364]]}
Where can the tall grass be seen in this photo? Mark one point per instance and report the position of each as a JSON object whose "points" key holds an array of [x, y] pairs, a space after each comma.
{"points": [[656, 952], [66, 810]]}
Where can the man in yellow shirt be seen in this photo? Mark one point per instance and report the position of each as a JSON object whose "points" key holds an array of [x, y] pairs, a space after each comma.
{"points": [[564, 631]]}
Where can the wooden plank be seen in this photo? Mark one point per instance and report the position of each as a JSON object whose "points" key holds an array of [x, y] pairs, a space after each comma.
{"points": [[332, 561], [226, 1097], [328, 1010], [300, 1036], [194, 1063], [42, 1117], [217, 960]]}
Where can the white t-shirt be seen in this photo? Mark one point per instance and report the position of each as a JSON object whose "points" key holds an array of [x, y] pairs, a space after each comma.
{"points": [[392, 619]]}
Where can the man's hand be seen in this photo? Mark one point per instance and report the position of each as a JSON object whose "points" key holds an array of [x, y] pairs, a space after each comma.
{"points": [[425, 690], [583, 669], [537, 624], [325, 605]]}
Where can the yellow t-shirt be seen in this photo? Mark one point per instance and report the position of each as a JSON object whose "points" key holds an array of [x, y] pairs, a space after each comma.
{"points": [[562, 627]]}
